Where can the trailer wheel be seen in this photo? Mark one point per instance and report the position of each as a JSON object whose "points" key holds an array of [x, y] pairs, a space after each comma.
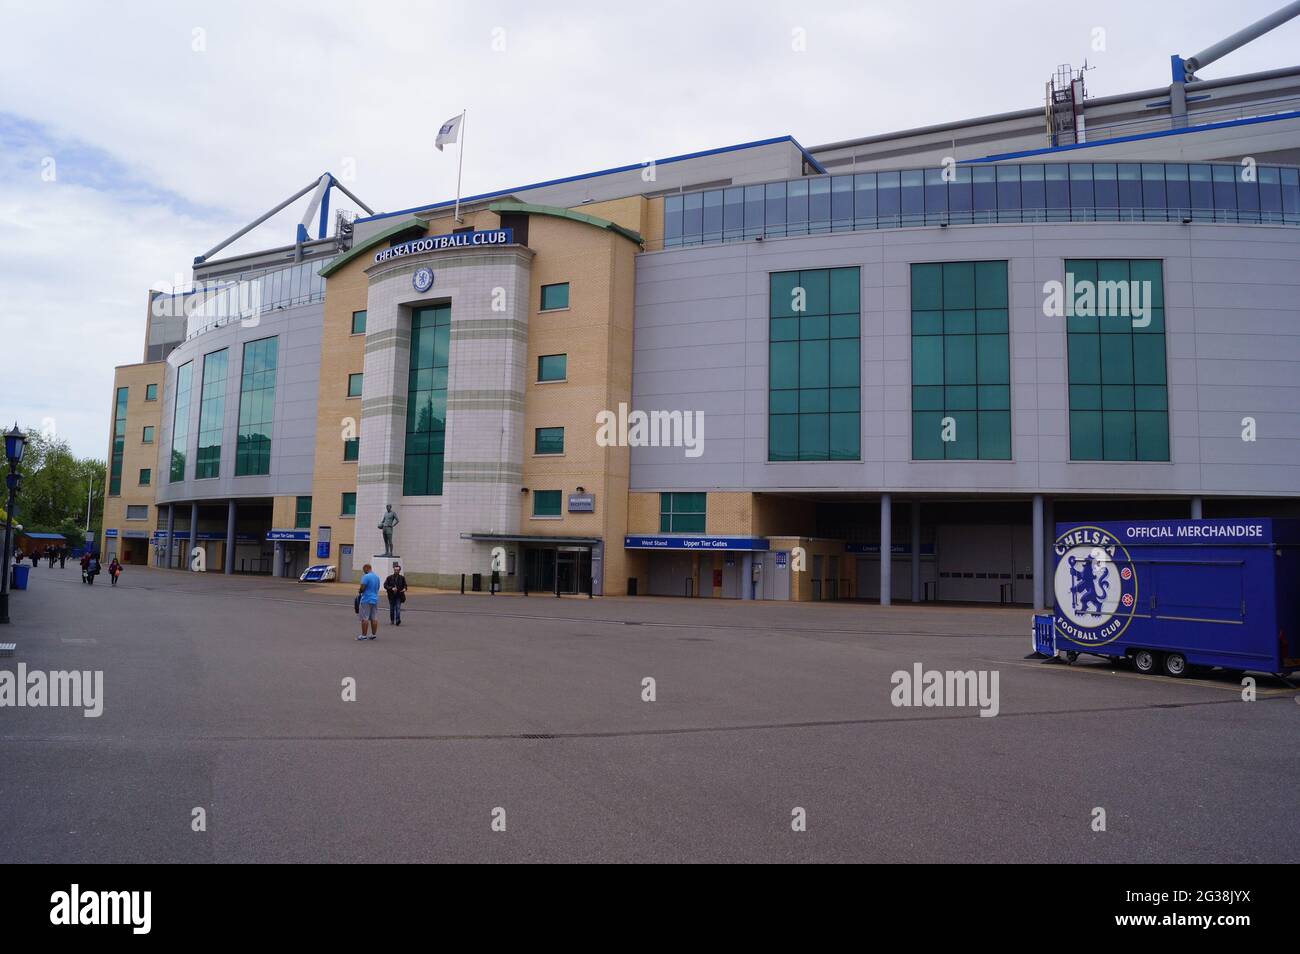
{"points": [[1144, 660], [1071, 656], [1175, 664]]}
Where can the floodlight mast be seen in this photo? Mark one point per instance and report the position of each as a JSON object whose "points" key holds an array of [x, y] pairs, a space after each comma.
{"points": [[1184, 70]]}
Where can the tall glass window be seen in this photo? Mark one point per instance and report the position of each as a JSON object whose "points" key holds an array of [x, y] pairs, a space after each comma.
{"points": [[119, 442], [212, 415], [814, 365], [302, 514], [256, 407], [1119, 404], [961, 361], [733, 212], [1009, 193], [672, 221], [426, 405], [181, 420]]}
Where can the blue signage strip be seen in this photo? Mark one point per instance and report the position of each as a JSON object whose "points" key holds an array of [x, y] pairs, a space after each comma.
{"points": [[297, 535], [1243, 530], [110, 533], [894, 548], [664, 542], [437, 243]]}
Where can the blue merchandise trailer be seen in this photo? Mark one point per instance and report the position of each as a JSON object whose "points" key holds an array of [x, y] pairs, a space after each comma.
{"points": [[1170, 594]]}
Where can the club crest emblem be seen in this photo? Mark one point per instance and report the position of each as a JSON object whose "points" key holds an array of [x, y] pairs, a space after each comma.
{"points": [[1095, 586]]}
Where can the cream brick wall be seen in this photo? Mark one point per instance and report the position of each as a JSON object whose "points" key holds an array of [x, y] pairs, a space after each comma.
{"points": [[595, 332], [730, 514], [342, 353], [135, 454]]}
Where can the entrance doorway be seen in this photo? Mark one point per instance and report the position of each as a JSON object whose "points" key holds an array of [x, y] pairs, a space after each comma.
{"points": [[570, 566]]}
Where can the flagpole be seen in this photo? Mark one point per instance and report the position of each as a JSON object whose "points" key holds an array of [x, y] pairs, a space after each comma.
{"points": [[460, 161]]}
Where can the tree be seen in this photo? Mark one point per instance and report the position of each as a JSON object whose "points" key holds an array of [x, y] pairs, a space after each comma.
{"points": [[55, 483]]}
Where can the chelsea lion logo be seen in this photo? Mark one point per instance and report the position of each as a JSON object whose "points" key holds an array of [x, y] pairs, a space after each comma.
{"points": [[1095, 585], [422, 279]]}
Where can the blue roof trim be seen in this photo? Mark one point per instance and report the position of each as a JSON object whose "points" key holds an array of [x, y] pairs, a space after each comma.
{"points": [[808, 157], [1160, 134]]}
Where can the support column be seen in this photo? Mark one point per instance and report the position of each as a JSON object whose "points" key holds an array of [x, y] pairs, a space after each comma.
{"points": [[916, 551], [1040, 552], [746, 576], [171, 534], [1049, 551], [194, 535], [230, 538], [277, 559], [886, 549], [1196, 508]]}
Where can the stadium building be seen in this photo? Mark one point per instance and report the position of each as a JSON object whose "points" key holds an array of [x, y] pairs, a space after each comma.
{"points": [[752, 371]]}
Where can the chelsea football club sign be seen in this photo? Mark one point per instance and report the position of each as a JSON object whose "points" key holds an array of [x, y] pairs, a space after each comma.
{"points": [[1096, 585], [437, 243]]}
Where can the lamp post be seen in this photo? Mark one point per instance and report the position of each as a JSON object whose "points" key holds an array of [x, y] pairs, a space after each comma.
{"points": [[15, 442]]}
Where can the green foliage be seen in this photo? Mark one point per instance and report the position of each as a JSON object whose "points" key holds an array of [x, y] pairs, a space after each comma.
{"points": [[54, 487]]}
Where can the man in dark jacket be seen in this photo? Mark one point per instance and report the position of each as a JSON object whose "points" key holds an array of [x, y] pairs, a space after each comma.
{"points": [[395, 587]]}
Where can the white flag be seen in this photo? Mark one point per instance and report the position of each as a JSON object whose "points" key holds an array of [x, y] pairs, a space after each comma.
{"points": [[448, 132]]}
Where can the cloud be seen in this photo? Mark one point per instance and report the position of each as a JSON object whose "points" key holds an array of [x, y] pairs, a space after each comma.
{"points": [[173, 124]]}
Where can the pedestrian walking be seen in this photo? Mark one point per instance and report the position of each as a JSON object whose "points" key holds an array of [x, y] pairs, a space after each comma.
{"points": [[114, 570], [63, 557], [395, 587], [92, 570], [85, 567], [368, 604]]}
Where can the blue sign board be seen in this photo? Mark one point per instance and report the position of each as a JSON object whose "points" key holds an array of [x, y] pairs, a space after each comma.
{"points": [[322, 549], [110, 533], [667, 542], [298, 535], [437, 243]]}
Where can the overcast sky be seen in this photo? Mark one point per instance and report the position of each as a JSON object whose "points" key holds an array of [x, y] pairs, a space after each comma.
{"points": [[172, 124]]}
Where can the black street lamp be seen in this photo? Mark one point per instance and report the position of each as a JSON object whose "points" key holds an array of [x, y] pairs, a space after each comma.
{"points": [[15, 442]]}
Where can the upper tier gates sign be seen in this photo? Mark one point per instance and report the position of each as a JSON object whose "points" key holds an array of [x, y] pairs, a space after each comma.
{"points": [[436, 243]]}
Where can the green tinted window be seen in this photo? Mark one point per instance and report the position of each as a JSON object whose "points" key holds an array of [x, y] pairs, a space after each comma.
{"points": [[555, 296], [552, 367], [151, 392], [256, 407], [1115, 345], [119, 442], [212, 415], [682, 512], [348, 505], [358, 322], [146, 476], [961, 361], [181, 420], [548, 440], [546, 503], [146, 436], [352, 449], [355, 382], [814, 362], [302, 514], [426, 408]]}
